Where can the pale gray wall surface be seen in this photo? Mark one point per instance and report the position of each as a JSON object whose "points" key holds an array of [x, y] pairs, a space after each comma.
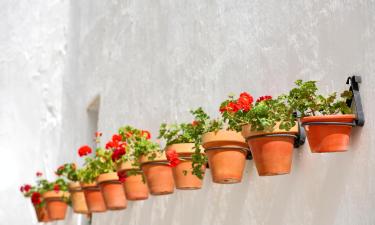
{"points": [[152, 61]]}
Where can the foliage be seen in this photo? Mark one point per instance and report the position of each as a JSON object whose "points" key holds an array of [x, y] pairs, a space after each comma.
{"points": [[305, 99], [262, 116], [69, 171]]}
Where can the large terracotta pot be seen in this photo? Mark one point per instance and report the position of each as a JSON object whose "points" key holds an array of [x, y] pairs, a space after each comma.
{"points": [[41, 213], [182, 173], [135, 184], [77, 196], [113, 191], [56, 204], [94, 197], [158, 174], [272, 154], [328, 138], [226, 152]]}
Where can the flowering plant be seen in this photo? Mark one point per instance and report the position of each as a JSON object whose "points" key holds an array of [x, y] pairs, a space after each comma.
{"points": [[263, 115], [305, 99], [42, 186], [68, 170]]}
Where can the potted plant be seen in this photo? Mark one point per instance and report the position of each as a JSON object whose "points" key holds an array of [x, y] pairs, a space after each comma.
{"points": [[101, 171], [180, 146], [269, 126], [35, 194], [327, 120], [77, 196], [153, 161], [226, 149], [87, 177], [56, 197], [128, 167]]}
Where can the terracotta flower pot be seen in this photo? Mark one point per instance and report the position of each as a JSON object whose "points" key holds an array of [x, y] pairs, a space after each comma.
{"points": [[41, 213], [158, 174], [272, 154], [182, 175], [94, 198], [77, 196], [113, 191], [135, 185], [328, 138], [56, 204], [226, 152]]}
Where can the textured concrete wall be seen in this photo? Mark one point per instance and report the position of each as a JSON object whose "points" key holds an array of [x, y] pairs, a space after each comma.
{"points": [[152, 61]]}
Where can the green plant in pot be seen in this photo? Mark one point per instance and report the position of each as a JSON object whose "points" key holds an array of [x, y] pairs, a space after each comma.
{"points": [[182, 147], [147, 155], [327, 119], [269, 127], [35, 192], [225, 149]]}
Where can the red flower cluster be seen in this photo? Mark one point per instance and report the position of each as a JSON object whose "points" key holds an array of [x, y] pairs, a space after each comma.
{"points": [[39, 174], [195, 123], [56, 188], [172, 157], [36, 198], [118, 146], [146, 134], [121, 176], [25, 188], [84, 150], [244, 103], [264, 98]]}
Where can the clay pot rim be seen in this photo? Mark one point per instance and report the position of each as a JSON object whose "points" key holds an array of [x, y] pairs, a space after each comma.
{"points": [[160, 157], [89, 185], [74, 186], [55, 195], [107, 177], [223, 138], [125, 166], [324, 118], [246, 131]]}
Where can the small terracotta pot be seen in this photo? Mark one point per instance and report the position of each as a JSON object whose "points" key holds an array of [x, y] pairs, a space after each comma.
{"points": [[113, 191], [226, 152], [135, 184], [272, 154], [158, 174], [182, 173], [94, 197], [328, 138], [56, 204], [41, 213], [77, 196]]}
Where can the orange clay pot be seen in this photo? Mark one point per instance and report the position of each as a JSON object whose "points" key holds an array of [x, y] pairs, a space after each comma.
{"points": [[41, 213], [56, 204], [135, 185], [226, 152], [182, 173], [272, 155], [78, 198], [328, 138], [94, 197], [113, 191], [158, 174]]}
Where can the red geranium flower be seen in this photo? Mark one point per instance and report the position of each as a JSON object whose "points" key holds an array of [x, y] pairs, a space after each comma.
{"points": [[22, 188], [27, 187], [84, 150], [35, 198], [118, 153], [109, 145], [244, 101], [98, 134], [264, 98], [116, 138], [172, 157], [121, 176], [146, 134], [195, 123], [230, 107], [56, 188], [39, 174]]}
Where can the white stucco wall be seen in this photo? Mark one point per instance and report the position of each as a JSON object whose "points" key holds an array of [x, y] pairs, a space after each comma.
{"points": [[152, 61]]}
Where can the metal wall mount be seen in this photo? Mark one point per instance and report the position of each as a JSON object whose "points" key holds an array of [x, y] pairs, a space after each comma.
{"points": [[355, 102]]}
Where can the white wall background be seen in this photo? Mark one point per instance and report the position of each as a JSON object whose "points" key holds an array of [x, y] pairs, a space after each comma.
{"points": [[152, 61]]}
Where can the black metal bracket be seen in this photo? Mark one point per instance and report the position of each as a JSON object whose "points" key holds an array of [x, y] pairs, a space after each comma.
{"points": [[355, 102], [301, 135]]}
